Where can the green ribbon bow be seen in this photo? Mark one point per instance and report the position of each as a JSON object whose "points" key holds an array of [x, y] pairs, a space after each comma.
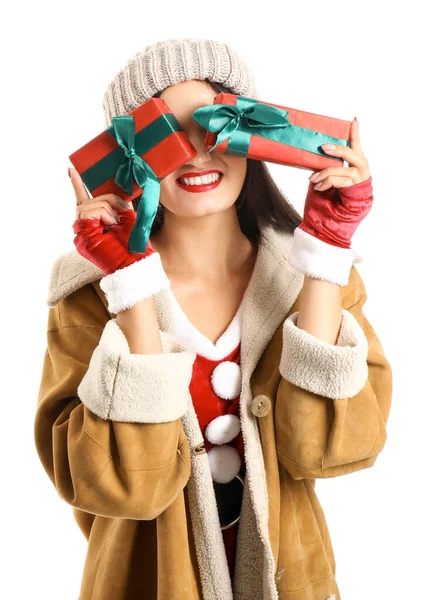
{"points": [[249, 117], [133, 166]]}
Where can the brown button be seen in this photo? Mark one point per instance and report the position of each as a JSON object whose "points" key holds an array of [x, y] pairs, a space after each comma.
{"points": [[261, 405]]}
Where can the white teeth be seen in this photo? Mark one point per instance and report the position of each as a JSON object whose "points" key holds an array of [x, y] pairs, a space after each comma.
{"points": [[201, 180]]}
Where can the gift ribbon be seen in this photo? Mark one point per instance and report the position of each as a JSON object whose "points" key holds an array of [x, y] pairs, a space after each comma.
{"points": [[249, 117], [125, 164], [134, 167]]}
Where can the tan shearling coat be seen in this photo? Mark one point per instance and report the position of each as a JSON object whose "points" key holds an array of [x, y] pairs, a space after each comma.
{"points": [[119, 438]]}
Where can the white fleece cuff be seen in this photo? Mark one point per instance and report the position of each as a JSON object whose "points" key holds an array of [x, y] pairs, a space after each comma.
{"points": [[335, 371], [137, 388], [126, 287], [320, 260]]}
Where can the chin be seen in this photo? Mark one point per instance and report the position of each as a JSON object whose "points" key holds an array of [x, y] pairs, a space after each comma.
{"points": [[199, 207]]}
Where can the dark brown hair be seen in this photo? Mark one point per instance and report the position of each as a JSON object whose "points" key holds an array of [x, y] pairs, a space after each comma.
{"points": [[260, 201]]}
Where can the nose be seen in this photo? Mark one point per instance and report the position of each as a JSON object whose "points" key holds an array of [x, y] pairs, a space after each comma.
{"points": [[202, 157]]}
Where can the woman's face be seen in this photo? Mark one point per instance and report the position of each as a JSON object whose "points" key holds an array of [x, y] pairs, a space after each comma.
{"points": [[183, 99]]}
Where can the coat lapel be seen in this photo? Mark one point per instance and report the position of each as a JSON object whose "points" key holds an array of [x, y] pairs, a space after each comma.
{"points": [[272, 291]]}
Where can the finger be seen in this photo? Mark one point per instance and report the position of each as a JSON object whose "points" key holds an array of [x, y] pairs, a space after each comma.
{"points": [[96, 203], [355, 137], [99, 213], [112, 200], [348, 154], [126, 205], [81, 193], [336, 172], [334, 181]]}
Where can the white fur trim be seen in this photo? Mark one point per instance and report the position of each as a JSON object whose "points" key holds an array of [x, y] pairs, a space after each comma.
{"points": [[136, 388], [320, 260], [226, 380], [335, 371], [198, 342], [225, 463], [223, 429], [126, 287]]}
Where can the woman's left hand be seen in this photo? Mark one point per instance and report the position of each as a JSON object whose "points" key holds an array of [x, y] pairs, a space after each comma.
{"points": [[332, 213], [339, 177]]}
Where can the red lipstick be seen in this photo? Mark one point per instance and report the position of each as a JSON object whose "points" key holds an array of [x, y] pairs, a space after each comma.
{"points": [[206, 187]]}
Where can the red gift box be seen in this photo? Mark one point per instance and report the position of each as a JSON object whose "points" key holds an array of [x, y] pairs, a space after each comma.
{"points": [[159, 140], [263, 148]]}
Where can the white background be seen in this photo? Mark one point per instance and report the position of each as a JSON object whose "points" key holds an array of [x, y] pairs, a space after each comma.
{"points": [[341, 59]]}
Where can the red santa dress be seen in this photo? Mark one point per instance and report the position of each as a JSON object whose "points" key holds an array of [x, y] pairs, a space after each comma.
{"points": [[215, 389]]}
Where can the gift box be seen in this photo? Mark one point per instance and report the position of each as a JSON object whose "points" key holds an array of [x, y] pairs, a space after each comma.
{"points": [[131, 157], [271, 132]]}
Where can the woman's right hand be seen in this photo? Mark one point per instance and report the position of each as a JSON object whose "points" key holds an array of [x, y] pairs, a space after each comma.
{"points": [[130, 277], [103, 227]]}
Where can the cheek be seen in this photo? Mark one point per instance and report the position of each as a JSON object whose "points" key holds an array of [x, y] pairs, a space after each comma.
{"points": [[166, 186], [237, 168]]}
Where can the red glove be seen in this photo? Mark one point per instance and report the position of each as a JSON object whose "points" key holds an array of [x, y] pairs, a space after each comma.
{"points": [[130, 277], [334, 215], [107, 246], [322, 243]]}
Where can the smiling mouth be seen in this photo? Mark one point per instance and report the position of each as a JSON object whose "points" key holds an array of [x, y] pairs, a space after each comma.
{"points": [[202, 187]]}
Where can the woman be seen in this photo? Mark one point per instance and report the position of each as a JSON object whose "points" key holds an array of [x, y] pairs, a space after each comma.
{"points": [[191, 395]]}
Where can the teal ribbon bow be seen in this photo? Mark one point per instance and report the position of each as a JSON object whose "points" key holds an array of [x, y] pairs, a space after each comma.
{"points": [[134, 167], [249, 117]]}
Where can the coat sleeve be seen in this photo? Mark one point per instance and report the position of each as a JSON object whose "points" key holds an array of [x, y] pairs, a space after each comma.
{"points": [[332, 401], [107, 426]]}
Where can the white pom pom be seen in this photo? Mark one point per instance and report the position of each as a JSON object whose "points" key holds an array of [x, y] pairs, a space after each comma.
{"points": [[226, 380], [223, 429], [225, 463]]}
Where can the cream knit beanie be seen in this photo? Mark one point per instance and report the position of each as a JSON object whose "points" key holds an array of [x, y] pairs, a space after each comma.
{"points": [[169, 62]]}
